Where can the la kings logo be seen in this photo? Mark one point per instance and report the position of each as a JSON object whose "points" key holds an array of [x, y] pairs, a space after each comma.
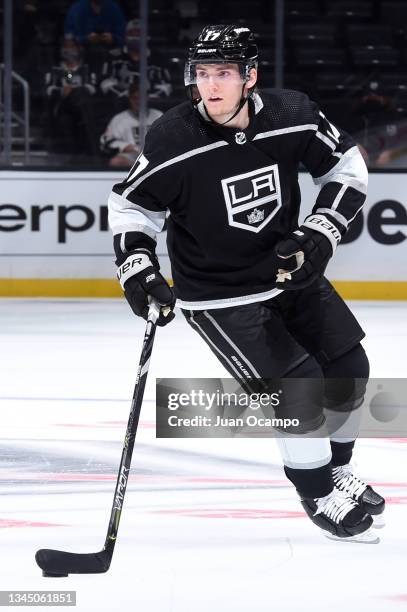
{"points": [[252, 199]]}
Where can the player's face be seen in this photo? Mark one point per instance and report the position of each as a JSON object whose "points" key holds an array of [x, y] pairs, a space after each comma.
{"points": [[220, 87]]}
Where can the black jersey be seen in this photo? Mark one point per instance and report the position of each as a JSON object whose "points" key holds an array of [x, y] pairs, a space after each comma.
{"points": [[232, 195]]}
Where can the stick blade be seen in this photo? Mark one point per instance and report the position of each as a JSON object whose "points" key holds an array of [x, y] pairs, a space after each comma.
{"points": [[58, 563]]}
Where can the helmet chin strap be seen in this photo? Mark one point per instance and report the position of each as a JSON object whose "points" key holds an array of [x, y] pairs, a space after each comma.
{"points": [[241, 104]]}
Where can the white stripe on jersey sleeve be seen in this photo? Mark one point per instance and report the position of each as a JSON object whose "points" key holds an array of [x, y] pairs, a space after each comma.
{"points": [[288, 130], [325, 140], [135, 227], [339, 197], [350, 170], [124, 216]]}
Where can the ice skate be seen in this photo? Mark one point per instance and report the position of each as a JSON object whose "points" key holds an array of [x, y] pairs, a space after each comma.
{"points": [[367, 498], [340, 517]]}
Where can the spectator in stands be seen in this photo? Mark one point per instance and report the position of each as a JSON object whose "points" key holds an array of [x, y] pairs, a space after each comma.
{"points": [[121, 71], [70, 87], [121, 140], [96, 22]]}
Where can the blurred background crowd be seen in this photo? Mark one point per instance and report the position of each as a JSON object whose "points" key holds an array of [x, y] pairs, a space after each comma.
{"points": [[81, 63]]}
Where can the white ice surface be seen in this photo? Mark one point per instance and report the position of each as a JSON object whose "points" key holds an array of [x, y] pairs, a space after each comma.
{"points": [[207, 524]]}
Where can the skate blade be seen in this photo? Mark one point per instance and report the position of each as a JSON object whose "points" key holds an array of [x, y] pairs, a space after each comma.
{"points": [[367, 537], [378, 521]]}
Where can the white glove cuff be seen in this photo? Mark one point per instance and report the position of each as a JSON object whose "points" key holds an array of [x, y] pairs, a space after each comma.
{"points": [[133, 265], [321, 224]]}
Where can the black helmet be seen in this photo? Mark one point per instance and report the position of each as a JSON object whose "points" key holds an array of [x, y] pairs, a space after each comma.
{"points": [[220, 44]]}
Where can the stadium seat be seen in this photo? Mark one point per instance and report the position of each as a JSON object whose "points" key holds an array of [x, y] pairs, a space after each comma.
{"points": [[368, 34], [320, 57], [374, 56], [297, 10], [393, 83], [311, 34], [394, 12], [342, 84], [213, 10], [349, 10], [264, 34]]}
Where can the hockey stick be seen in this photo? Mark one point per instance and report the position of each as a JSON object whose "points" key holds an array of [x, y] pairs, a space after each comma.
{"points": [[61, 563]]}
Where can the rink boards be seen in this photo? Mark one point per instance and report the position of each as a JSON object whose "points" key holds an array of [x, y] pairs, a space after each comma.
{"points": [[55, 239]]}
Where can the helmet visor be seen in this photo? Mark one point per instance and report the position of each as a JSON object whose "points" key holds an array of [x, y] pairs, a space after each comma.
{"points": [[198, 72]]}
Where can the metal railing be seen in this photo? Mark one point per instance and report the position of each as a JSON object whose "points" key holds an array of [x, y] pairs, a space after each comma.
{"points": [[24, 119]]}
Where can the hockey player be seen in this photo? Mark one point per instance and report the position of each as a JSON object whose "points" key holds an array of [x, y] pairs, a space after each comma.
{"points": [[247, 277]]}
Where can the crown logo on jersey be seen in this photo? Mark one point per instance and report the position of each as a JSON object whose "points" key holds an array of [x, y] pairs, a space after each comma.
{"points": [[256, 216], [240, 137]]}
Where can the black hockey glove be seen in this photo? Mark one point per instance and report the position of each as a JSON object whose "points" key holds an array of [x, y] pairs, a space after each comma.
{"points": [[140, 278], [305, 253]]}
